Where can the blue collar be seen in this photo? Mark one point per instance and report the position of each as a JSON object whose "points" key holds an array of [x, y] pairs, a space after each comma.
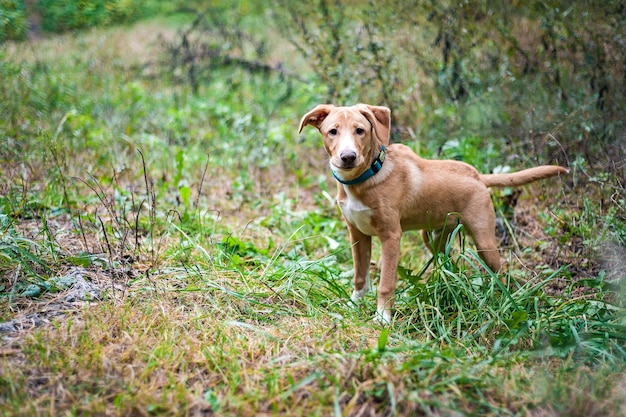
{"points": [[373, 169]]}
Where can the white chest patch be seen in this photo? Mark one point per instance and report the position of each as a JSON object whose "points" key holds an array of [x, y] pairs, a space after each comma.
{"points": [[357, 214]]}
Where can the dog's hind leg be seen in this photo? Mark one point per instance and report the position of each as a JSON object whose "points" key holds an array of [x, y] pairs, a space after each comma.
{"points": [[484, 238], [436, 240]]}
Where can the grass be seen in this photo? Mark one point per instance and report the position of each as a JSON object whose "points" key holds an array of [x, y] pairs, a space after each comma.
{"points": [[225, 268]]}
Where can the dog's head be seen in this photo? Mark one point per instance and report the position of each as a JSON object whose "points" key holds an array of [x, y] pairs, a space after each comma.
{"points": [[352, 135]]}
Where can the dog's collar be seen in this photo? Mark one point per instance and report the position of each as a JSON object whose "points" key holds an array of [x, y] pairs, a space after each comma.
{"points": [[373, 169]]}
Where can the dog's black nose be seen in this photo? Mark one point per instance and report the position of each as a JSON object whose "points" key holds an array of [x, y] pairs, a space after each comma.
{"points": [[348, 157]]}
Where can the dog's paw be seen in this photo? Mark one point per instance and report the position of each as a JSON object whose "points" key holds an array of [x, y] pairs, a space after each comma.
{"points": [[383, 317], [358, 294]]}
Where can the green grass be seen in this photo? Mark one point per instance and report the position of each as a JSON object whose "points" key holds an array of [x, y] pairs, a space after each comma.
{"points": [[226, 271]]}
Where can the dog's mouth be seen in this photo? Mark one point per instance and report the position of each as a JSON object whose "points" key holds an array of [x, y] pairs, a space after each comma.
{"points": [[346, 161], [345, 167]]}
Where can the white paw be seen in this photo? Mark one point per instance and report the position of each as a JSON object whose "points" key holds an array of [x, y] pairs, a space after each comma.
{"points": [[383, 316], [358, 294]]}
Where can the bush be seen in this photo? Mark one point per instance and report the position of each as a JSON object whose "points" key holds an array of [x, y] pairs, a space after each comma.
{"points": [[12, 20], [62, 16]]}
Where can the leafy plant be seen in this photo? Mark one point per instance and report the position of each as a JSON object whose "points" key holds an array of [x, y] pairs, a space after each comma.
{"points": [[59, 17], [23, 262], [12, 20]]}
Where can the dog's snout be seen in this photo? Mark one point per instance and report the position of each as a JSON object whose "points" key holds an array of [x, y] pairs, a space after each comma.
{"points": [[348, 157]]}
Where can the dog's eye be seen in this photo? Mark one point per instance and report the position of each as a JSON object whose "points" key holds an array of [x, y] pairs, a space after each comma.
{"points": [[360, 131], [332, 132]]}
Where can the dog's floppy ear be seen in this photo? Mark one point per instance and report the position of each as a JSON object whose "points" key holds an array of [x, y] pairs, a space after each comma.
{"points": [[380, 119], [316, 116]]}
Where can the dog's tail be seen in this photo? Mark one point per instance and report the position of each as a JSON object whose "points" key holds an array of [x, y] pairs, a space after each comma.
{"points": [[522, 177]]}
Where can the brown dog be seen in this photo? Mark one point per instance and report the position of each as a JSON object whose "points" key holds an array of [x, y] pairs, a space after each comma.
{"points": [[386, 189]]}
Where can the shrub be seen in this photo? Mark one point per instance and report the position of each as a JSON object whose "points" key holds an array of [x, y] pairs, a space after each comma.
{"points": [[62, 16], [12, 20]]}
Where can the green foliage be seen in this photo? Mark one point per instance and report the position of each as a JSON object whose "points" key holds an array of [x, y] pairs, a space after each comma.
{"points": [[69, 15], [459, 305], [511, 70], [12, 20], [55, 16], [23, 257], [345, 46]]}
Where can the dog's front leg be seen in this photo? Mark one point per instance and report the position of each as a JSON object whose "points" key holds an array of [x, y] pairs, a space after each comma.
{"points": [[389, 267], [361, 255]]}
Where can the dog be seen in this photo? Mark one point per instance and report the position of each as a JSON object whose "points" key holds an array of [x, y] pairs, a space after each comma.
{"points": [[385, 189]]}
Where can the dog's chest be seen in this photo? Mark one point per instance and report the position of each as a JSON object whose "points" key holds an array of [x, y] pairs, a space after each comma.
{"points": [[357, 214]]}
